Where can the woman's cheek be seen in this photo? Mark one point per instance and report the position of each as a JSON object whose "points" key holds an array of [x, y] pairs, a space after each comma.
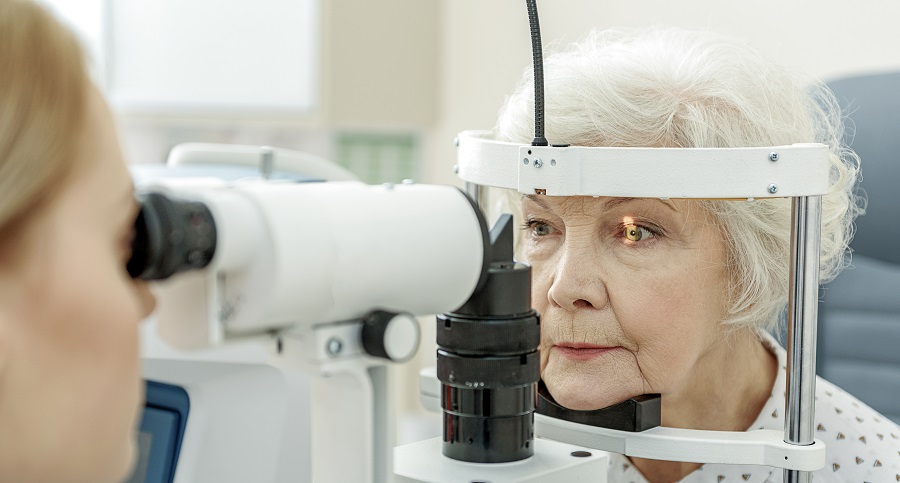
{"points": [[637, 258]]}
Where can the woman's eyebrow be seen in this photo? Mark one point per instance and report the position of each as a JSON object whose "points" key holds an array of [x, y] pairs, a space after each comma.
{"points": [[611, 203], [614, 202], [538, 201]]}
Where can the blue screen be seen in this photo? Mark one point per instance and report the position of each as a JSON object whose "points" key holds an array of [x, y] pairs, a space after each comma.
{"points": [[161, 433]]}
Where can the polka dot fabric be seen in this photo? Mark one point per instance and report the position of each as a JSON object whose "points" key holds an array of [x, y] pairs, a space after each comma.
{"points": [[862, 446]]}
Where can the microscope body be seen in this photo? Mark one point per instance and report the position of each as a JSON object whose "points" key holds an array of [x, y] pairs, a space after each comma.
{"points": [[328, 277], [290, 256]]}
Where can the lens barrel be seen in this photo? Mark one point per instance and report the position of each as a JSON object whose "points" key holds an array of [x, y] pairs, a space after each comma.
{"points": [[171, 236], [488, 363]]}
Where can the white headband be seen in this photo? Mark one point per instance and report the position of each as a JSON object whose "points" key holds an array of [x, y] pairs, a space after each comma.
{"points": [[746, 173]]}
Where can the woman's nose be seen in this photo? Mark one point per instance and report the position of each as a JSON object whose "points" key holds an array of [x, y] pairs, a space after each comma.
{"points": [[578, 283], [146, 299]]}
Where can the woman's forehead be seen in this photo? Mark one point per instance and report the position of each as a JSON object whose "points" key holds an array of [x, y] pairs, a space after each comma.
{"points": [[102, 178], [603, 203]]}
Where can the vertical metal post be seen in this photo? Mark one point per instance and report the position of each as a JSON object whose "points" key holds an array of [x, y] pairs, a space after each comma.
{"points": [[266, 162], [478, 193], [800, 402]]}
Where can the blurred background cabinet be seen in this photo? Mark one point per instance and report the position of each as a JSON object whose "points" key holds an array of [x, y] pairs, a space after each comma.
{"points": [[355, 81]]}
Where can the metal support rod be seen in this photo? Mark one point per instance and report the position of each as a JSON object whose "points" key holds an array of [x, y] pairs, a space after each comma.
{"points": [[477, 193], [266, 162], [799, 417]]}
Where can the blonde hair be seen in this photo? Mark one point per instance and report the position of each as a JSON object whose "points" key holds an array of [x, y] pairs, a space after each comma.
{"points": [[674, 88], [43, 94]]}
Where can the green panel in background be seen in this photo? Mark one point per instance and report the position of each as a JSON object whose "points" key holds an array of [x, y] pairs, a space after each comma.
{"points": [[378, 158]]}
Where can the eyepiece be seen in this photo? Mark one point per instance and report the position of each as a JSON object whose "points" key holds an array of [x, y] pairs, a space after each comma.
{"points": [[171, 236]]}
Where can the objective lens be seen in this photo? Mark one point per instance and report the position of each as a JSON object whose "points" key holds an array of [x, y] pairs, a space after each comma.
{"points": [[171, 236], [488, 363]]}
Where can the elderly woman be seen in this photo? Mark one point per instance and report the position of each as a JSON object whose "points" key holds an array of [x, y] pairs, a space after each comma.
{"points": [[677, 296], [70, 388]]}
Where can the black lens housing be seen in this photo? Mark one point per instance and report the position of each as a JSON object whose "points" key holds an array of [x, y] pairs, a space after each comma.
{"points": [[171, 236], [488, 363]]}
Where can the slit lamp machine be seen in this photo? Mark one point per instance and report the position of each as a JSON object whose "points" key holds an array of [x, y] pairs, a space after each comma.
{"points": [[330, 275]]}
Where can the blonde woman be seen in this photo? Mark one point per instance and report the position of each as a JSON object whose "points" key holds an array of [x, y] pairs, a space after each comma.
{"points": [[677, 296], [70, 389]]}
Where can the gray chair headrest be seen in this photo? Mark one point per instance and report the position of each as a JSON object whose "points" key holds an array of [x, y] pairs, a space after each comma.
{"points": [[872, 104]]}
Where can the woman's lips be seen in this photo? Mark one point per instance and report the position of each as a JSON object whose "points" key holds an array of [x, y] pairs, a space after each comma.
{"points": [[582, 352]]}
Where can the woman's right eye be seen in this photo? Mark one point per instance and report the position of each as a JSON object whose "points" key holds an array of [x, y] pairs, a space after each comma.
{"points": [[537, 228]]}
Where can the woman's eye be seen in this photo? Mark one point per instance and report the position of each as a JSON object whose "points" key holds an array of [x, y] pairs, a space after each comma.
{"points": [[637, 232], [126, 244], [538, 228]]}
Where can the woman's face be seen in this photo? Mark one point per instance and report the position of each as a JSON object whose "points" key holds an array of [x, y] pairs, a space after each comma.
{"points": [[631, 293], [70, 389]]}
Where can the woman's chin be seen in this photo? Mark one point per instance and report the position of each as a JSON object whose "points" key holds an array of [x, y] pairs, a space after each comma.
{"points": [[121, 465], [579, 399]]}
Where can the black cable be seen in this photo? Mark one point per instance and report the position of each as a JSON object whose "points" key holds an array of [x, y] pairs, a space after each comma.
{"points": [[538, 61]]}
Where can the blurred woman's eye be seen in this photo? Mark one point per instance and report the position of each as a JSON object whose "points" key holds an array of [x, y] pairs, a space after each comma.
{"points": [[125, 244], [537, 228], [636, 233], [125, 250]]}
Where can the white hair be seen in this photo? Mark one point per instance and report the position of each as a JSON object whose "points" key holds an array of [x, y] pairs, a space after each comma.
{"points": [[674, 88]]}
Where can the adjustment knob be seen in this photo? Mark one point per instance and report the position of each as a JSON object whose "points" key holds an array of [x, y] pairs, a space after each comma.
{"points": [[390, 335]]}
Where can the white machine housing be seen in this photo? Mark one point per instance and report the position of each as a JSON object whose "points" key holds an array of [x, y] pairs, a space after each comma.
{"points": [[291, 255], [296, 267]]}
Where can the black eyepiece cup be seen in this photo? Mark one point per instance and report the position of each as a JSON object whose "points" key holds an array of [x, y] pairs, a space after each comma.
{"points": [[171, 236]]}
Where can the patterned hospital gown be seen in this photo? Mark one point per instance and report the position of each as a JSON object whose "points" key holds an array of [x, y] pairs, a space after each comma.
{"points": [[861, 445]]}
